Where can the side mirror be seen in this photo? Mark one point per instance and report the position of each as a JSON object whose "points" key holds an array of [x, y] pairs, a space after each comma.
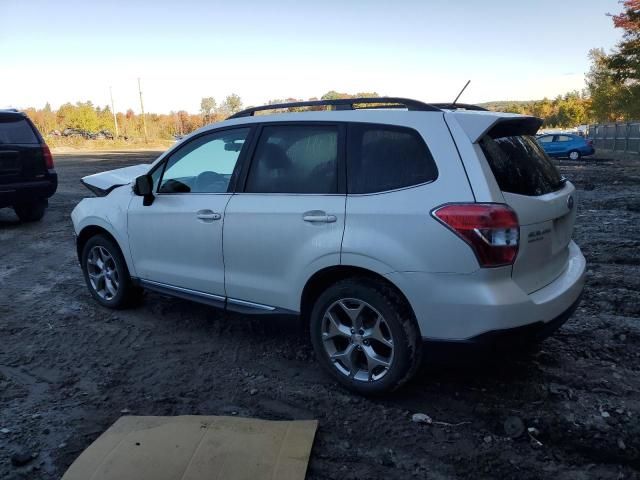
{"points": [[144, 188]]}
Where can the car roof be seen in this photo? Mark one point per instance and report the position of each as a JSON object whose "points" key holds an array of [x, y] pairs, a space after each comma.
{"points": [[11, 111], [474, 123]]}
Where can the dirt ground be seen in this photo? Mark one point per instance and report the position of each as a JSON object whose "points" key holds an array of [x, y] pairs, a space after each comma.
{"points": [[69, 368]]}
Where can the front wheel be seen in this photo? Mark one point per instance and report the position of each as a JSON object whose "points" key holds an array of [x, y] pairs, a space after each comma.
{"points": [[365, 335], [106, 273], [574, 155]]}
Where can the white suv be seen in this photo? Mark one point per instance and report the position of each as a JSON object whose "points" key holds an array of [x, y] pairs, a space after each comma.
{"points": [[380, 227]]}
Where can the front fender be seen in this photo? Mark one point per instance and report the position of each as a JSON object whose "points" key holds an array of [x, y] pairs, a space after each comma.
{"points": [[108, 213]]}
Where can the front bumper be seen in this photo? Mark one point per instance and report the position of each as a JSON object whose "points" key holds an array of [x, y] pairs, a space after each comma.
{"points": [[463, 308]]}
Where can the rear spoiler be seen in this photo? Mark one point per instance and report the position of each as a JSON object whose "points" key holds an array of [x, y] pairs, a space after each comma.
{"points": [[478, 124]]}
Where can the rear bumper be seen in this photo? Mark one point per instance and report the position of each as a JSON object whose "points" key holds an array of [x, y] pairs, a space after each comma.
{"points": [[588, 151], [525, 334], [463, 308], [15, 193]]}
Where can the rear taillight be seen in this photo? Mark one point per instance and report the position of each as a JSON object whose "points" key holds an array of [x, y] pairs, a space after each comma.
{"points": [[48, 158], [590, 143], [490, 229]]}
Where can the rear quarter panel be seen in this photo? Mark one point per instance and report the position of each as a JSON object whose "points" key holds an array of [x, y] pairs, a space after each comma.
{"points": [[394, 231]]}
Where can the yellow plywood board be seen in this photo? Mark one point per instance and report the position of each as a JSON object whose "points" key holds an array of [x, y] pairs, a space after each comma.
{"points": [[197, 448]]}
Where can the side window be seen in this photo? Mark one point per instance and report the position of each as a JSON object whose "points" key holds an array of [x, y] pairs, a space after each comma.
{"points": [[563, 138], [204, 165], [295, 159], [545, 139], [382, 158]]}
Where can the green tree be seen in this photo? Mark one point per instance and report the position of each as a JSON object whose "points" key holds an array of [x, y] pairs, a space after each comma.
{"points": [[232, 104], [207, 108], [607, 94], [624, 61]]}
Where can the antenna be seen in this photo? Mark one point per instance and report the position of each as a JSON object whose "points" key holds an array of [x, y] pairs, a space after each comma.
{"points": [[461, 91]]}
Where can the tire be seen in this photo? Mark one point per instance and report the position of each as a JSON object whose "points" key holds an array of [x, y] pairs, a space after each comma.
{"points": [[574, 155], [31, 211], [110, 284], [359, 349]]}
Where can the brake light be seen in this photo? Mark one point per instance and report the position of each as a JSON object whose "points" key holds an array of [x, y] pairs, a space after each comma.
{"points": [[490, 229], [48, 158], [590, 143]]}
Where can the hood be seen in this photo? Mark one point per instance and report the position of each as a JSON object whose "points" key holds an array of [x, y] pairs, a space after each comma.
{"points": [[102, 183]]}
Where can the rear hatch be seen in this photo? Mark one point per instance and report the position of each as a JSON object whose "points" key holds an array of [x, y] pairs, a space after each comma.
{"points": [[542, 199], [21, 154]]}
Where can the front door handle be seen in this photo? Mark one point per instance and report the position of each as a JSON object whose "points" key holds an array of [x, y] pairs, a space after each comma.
{"points": [[318, 216], [208, 215]]}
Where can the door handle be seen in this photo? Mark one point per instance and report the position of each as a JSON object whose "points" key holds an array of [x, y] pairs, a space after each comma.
{"points": [[208, 215], [318, 216]]}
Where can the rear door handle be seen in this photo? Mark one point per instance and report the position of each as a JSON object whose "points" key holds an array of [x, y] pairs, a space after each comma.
{"points": [[208, 215], [318, 216]]}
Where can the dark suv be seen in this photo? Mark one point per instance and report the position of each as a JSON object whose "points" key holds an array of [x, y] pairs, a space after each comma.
{"points": [[27, 176]]}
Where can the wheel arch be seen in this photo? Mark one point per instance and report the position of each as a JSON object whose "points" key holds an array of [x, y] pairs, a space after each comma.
{"points": [[327, 276], [90, 231]]}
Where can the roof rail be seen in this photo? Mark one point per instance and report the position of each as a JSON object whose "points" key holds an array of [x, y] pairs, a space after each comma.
{"points": [[460, 106], [15, 110], [346, 104]]}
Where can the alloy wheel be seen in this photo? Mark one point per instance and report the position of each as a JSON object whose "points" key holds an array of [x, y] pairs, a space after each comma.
{"points": [[357, 340], [102, 271]]}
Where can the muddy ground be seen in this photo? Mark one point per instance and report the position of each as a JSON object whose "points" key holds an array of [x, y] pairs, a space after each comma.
{"points": [[69, 368]]}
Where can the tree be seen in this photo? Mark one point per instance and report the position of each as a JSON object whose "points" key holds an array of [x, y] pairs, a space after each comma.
{"points": [[624, 61], [207, 108], [333, 95], [606, 93], [232, 104]]}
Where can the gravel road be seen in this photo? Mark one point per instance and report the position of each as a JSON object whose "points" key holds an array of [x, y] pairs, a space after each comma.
{"points": [[69, 368]]}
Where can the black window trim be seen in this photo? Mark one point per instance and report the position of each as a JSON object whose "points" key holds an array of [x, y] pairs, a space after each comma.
{"points": [[389, 126], [341, 160], [233, 181]]}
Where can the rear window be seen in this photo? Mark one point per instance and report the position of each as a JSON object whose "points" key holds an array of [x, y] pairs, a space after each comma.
{"points": [[382, 158], [16, 130], [520, 165]]}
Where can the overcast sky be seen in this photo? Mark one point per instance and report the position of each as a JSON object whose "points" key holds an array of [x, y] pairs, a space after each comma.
{"points": [[63, 50]]}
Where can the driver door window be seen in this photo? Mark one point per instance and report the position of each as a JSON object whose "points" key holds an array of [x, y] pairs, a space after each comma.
{"points": [[204, 165]]}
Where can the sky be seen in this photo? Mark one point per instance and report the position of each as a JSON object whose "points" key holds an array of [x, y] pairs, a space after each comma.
{"points": [[66, 51]]}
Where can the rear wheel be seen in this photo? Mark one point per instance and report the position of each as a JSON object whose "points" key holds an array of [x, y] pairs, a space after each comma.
{"points": [[31, 211], [365, 335], [574, 155], [106, 273]]}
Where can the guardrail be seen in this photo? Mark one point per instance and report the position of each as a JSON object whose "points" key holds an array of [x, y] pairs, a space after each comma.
{"points": [[619, 137]]}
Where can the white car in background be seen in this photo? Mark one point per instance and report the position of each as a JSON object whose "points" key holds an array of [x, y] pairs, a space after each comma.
{"points": [[382, 228]]}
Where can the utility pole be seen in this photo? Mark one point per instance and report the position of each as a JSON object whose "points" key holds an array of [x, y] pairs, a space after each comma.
{"points": [[113, 110], [144, 120]]}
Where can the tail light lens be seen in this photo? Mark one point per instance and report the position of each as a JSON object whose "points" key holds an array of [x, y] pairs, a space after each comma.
{"points": [[490, 229], [48, 158], [590, 143]]}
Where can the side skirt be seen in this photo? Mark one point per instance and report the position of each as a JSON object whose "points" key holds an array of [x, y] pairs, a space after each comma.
{"points": [[218, 301]]}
